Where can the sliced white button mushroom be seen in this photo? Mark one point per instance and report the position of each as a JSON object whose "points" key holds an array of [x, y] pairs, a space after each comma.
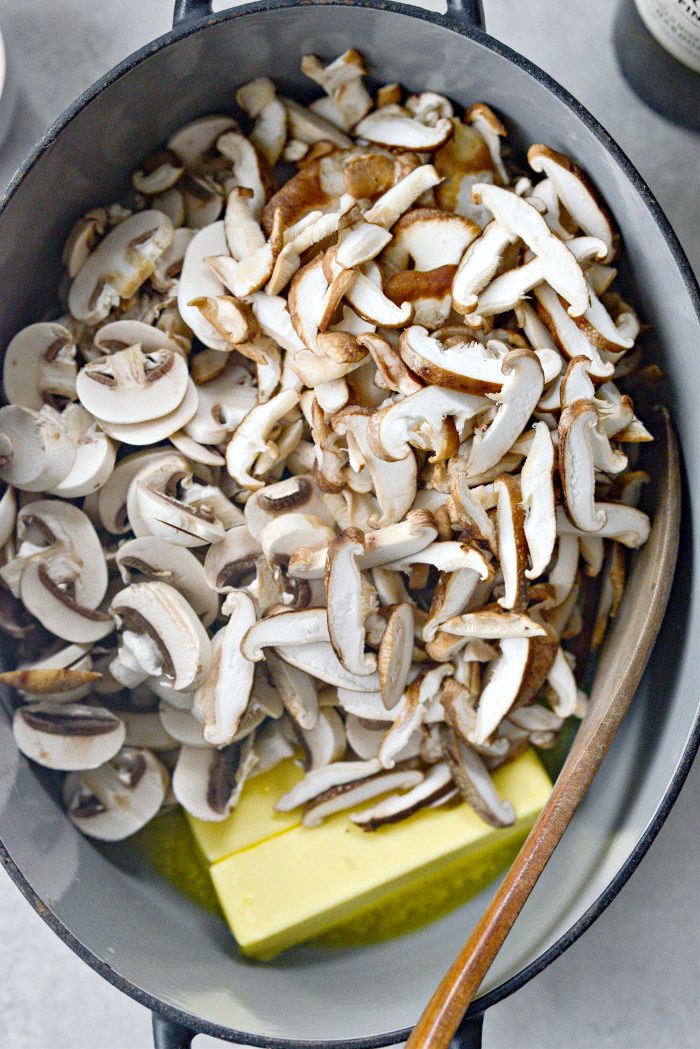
{"points": [[251, 437], [285, 534], [168, 620], [298, 494], [157, 559], [194, 141], [576, 193], [132, 387], [65, 530], [191, 449], [39, 364], [197, 281], [248, 170], [144, 728], [154, 430], [182, 726], [222, 404], [520, 219], [230, 561], [517, 400], [536, 482], [112, 500], [208, 782], [67, 736], [36, 452], [118, 798], [224, 694], [347, 607], [119, 265], [94, 455], [325, 742]]}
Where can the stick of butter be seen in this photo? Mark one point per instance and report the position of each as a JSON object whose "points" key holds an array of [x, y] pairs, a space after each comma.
{"points": [[303, 881]]}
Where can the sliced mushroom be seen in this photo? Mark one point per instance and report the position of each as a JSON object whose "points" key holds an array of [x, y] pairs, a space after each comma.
{"points": [[48, 681], [538, 500], [119, 265], [248, 167], [410, 712], [67, 736], [161, 614], [493, 623], [325, 742], [296, 687], [182, 725], [438, 781], [117, 799], [285, 627], [520, 219], [320, 661], [395, 654], [391, 205], [225, 690], [222, 404], [418, 420], [229, 562], [349, 795], [198, 281], [576, 465], [194, 142], [576, 193], [94, 455], [446, 556], [39, 365], [517, 400], [251, 437], [131, 386], [624, 524], [478, 267], [475, 784], [36, 452], [157, 559], [568, 336], [347, 608], [389, 128]]}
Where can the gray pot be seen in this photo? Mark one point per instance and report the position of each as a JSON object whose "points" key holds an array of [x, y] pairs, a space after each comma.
{"points": [[128, 925]]}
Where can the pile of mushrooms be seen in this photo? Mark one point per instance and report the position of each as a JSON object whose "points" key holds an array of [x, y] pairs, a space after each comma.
{"points": [[328, 462]]}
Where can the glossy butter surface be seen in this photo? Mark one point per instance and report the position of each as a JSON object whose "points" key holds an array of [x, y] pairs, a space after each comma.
{"points": [[306, 881]]}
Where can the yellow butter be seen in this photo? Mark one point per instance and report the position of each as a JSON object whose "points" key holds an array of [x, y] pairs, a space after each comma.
{"points": [[303, 882], [254, 819]]}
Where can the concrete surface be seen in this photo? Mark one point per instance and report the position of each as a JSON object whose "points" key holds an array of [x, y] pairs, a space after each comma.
{"points": [[632, 981]]}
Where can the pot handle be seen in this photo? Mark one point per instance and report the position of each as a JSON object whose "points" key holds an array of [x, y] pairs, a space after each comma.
{"points": [[469, 11], [168, 1034]]}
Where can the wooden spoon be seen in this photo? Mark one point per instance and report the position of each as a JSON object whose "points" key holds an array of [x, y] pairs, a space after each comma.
{"points": [[619, 672]]}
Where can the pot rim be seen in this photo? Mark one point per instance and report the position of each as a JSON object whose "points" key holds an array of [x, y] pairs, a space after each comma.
{"points": [[452, 22]]}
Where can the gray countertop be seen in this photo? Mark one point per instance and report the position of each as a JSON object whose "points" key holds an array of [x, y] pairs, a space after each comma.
{"points": [[632, 981]]}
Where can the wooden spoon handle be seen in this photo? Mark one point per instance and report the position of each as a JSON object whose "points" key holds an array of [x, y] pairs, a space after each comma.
{"points": [[619, 674]]}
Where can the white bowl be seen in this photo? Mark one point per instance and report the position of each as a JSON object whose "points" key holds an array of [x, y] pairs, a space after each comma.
{"points": [[8, 92]]}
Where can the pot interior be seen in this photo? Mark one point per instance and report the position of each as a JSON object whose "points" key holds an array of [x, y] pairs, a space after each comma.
{"points": [[133, 923]]}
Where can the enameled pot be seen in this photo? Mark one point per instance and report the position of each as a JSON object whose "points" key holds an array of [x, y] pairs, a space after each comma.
{"points": [[128, 925]]}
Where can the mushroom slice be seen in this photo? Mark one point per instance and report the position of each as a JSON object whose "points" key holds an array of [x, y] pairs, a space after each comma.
{"points": [[395, 654], [48, 681], [67, 736], [178, 640], [159, 172], [306, 301], [154, 430], [418, 419], [222, 404], [563, 691], [493, 623], [197, 453], [82, 239], [362, 242], [471, 513], [394, 483], [197, 281], [225, 691], [411, 711], [117, 799], [251, 437], [112, 499], [478, 267], [453, 592], [270, 130], [8, 514], [306, 126], [65, 538], [521, 392], [39, 364], [576, 193], [208, 782], [285, 534], [484, 120], [475, 784], [194, 142], [182, 725], [341, 71], [248, 169], [132, 387], [567, 335], [537, 488], [576, 465], [298, 494], [94, 455], [119, 265], [229, 562], [320, 661], [391, 205], [388, 128], [339, 798], [438, 781], [372, 305], [320, 780], [512, 546], [285, 628], [466, 365], [520, 219], [392, 373], [325, 742], [36, 452], [428, 239], [624, 524], [233, 319], [347, 609], [446, 556], [56, 610], [157, 559], [507, 676], [296, 688]]}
